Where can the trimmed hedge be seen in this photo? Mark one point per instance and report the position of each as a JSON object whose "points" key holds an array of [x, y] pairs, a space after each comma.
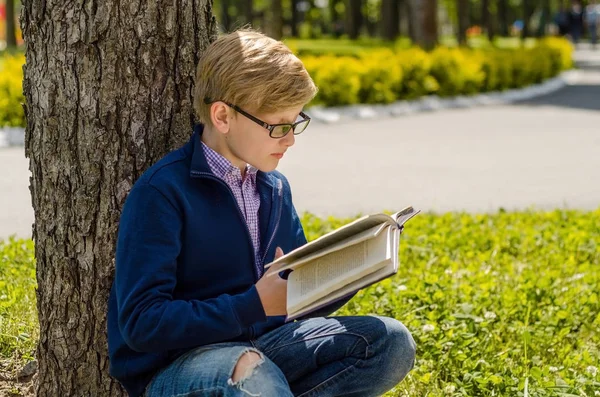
{"points": [[385, 76], [11, 91], [381, 75]]}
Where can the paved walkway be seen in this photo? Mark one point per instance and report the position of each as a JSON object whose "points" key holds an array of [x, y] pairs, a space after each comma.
{"points": [[543, 153]]}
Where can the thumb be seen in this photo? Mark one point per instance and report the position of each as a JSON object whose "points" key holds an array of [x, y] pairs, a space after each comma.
{"points": [[278, 253]]}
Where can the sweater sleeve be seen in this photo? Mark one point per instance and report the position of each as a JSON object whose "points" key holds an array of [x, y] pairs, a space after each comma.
{"points": [[150, 319]]}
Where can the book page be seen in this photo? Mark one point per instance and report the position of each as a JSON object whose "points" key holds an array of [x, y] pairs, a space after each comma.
{"points": [[321, 276], [382, 273], [350, 241], [330, 239]]}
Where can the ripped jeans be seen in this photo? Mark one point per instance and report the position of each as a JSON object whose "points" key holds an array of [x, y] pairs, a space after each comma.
{"points": [[333, 356]]}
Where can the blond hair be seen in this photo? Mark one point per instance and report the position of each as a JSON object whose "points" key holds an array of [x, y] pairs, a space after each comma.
{"points": [[252, 71]]}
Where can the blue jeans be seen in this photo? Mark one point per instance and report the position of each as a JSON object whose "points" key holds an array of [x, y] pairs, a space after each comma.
{"points": [[333, 356]]}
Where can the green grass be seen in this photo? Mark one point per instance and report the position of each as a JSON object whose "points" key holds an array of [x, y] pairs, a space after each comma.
{"points": [[495, 302], [18, 315]]}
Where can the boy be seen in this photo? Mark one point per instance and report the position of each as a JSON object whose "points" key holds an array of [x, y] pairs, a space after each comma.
{"points": [[190, 311]]}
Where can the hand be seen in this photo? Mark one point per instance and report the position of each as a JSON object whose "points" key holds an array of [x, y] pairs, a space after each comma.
{"points": [[273, 290]]}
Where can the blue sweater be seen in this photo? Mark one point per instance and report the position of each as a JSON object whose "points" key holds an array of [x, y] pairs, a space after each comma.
{"points": [[185, 274]]}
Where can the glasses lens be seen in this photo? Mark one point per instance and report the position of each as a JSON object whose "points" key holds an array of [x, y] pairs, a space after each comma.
{"points": [[281, 130], [301, 127]]}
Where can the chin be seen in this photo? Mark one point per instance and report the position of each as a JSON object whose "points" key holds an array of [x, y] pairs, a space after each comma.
{"points": [[268, 166]]}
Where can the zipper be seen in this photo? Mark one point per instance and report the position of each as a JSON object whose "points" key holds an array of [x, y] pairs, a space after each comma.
{"points": [[280, 194], [242, 218]]}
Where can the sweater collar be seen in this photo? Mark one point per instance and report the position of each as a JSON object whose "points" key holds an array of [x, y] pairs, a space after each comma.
{"points": [[199, 163]]}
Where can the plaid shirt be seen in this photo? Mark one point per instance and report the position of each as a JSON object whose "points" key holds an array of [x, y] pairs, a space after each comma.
{"points": [[245, 192]]}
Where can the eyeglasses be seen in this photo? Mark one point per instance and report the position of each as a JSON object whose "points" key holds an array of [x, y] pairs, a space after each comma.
{"points": [[276, 131]]}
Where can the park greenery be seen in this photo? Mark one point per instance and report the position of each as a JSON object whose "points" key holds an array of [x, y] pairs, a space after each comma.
{"points": [[503, 304], [372, 71]]}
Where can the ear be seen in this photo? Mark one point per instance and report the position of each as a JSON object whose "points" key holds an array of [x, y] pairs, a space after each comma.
{"points": [[219, 115]]}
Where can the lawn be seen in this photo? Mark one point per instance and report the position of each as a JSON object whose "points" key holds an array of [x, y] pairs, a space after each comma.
{"points": [[505, 304]]}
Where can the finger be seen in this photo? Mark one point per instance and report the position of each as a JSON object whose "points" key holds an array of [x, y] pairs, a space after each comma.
{"points": [[278, 253]]}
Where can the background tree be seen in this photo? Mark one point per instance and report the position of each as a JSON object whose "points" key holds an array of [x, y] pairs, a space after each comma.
{"points": [[11, 30], [274, 25], [354, 17], [390, 15], [106, 98], [463, 21]]}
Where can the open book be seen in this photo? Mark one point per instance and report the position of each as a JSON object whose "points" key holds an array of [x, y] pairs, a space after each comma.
{"points": [[343, 261]]}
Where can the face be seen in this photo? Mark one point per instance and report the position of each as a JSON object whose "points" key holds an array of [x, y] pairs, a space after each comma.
{"points": [[250, 143]]}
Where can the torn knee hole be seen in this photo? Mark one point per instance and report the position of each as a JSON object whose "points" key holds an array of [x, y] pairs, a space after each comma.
{"points": [[245, 366]]}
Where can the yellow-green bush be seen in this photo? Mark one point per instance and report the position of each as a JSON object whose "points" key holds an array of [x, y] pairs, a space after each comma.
{"points": [[457, 71], [11, 91], [386, 75], [380, 80], [416, 69], [338, 79]]}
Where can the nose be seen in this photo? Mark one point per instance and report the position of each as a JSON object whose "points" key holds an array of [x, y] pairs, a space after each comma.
{"points": [[289, 139]]}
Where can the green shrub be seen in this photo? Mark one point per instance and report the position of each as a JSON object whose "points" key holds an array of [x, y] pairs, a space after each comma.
{"points": [[11, 91], [385, 75], [338, 79], [457, 71], [381, 80], [416, 68]]}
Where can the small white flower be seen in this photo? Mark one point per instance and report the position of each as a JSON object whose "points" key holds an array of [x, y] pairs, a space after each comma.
{"points": [[449, 389], [489, 315], [401, 288], [553, 369], [428, 328], [448, 271], [592, 370]]}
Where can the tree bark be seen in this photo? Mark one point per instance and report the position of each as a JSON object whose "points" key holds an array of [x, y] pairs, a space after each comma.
{"points": [[355, 18], [11, 29], [462, 9], [390, 15], [108, 87]]}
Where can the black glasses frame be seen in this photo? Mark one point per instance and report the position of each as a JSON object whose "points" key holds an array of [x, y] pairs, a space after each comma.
{"points": [[270, 127]]}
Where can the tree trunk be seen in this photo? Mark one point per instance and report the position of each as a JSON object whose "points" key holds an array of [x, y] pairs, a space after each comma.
{"points": [[274, 26], [503, 17], [11, 29], [462, 8], [491, 22], [249, 11], [485, 14], [426, 29], [390, 15], [295, 18], [355, 18], [225, 17], [526, 18], [108, 87]]}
